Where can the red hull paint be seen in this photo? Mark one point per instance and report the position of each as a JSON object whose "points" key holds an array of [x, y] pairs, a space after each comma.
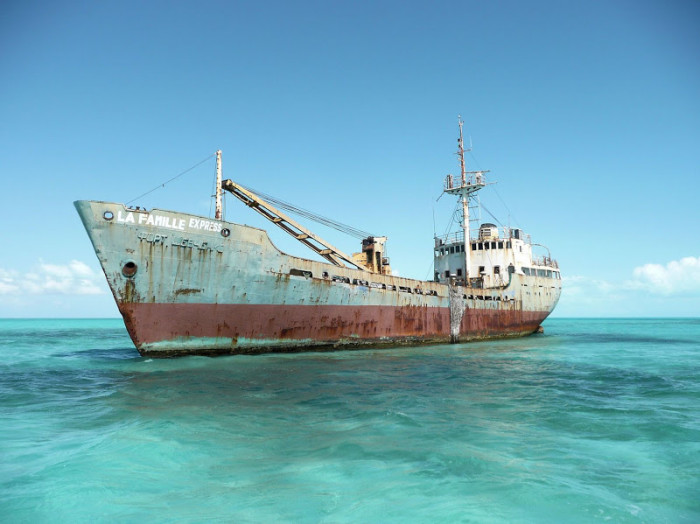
{"points": [[244, 328]]}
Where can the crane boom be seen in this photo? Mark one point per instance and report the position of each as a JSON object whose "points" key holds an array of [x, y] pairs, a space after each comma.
{"points": [[303, 235]]}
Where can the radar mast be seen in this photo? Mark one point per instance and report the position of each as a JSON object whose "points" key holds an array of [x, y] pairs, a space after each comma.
{"points": [[469, 183]]}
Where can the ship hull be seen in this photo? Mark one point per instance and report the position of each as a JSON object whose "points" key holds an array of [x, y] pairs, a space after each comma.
{"points": [[190, 285], [171, 329]]}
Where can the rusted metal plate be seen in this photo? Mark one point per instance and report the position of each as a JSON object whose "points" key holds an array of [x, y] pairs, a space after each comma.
{"points": [[235, 328]]}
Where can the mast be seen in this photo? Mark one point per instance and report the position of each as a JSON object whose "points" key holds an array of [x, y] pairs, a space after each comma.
{"points": [[217, 214], [460, 151], [465, 205], [467, 186]]}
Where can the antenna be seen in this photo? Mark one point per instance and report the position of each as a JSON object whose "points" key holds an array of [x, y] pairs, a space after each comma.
{"points": [[460, 152]]}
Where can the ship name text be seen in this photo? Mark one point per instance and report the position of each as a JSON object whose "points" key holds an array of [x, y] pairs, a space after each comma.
{"points": [[178, 224]]}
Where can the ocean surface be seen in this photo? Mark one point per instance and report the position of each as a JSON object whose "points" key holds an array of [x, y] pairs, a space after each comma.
{"points": [[593, 421]]}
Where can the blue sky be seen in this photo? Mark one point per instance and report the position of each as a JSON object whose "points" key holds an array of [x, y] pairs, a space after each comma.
{"points": [[586, 113]]}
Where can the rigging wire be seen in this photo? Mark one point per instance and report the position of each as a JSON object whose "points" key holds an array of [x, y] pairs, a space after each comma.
{"points": [[173, 178], [497, 194], [212, 200], [492, 215], [506, 206], [339, 226], [475, 161], [328, 222], [455, 213], [428, 271]]}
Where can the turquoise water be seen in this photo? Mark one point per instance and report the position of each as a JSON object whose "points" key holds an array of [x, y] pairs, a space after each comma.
{"points": [[596, 420]]}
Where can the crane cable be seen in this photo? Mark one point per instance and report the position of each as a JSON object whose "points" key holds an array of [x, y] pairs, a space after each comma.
{"points": [[339, 226]]}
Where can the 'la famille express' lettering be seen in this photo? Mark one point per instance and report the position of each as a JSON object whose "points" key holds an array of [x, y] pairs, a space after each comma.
{"points": [[151, 219]]}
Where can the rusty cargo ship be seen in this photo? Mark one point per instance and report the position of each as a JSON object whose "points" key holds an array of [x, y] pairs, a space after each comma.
{"points": [[188, 284]]}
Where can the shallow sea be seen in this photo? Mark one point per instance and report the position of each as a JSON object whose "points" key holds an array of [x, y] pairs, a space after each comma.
{"points": [[593, 421]]}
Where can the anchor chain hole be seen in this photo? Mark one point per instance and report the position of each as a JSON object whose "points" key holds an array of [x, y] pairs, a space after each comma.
{"points": [[129, 269]]}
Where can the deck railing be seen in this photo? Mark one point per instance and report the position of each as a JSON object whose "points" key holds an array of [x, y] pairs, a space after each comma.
{"points": [[545, 261]]}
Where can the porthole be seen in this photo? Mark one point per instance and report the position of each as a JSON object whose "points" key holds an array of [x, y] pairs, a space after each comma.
{"points": [[108, 215], [225, 232], [129, 269]]}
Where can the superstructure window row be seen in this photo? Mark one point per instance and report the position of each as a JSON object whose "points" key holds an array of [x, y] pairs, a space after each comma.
{"points": [[459, 248], [546, 273], [483, 246], [476, 246]]}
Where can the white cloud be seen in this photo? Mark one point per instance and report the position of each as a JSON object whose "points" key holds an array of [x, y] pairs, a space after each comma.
{"points": [[75, 278], [652, 290], [678, 277], [7, 282], [576, 284]]}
